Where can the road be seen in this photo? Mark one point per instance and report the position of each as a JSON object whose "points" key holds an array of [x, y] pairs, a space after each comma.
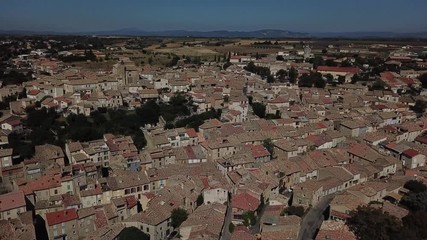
{"points": [[226, 235], [314, 218]]}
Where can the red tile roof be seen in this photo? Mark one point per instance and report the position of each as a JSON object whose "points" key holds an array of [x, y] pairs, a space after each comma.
{"points": [[131, 201], [33, 92], [191, 132], [42, 183], [410, 153], [421, 140], [62, 216], [245, 201], [12, 200]]}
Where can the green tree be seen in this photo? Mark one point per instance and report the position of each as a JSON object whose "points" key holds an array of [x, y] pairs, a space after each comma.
{"points": [[423, 80], [329, 77], [293, 74], [259, 109], [419, 107], [378, 85], [231, 227], [415, 201], [269, 145], [131, 233], [249, 218], [200, 200], [178, 216], [415, 186], [320, 83], [294, 210], [371, 223], [281, 75]]}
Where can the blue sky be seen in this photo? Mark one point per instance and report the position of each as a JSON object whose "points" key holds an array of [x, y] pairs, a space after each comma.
{"points": [[205, 15]]}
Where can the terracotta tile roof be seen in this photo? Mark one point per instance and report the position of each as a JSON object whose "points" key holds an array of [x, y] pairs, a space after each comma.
{"points": [[12, 200], [245, 201], [410, 153], [335, 230], [45, 182], [191, 133], [62, 216], [239, 234]]}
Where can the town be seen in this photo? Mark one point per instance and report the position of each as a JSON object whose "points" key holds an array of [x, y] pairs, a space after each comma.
{"points": [[106, 137]]}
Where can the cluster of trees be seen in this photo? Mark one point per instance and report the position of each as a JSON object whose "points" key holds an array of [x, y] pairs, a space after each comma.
{"points": [[313, 79], [196, 120], [269, 145], [249, 218], [131, 233], [48, 126], [264, 72], [368, 222], [14, 77], [293, 210], [423, 80], [4, 104], [178, 216], [283, 75], [89, 55], [259, 109], [173, 61]]}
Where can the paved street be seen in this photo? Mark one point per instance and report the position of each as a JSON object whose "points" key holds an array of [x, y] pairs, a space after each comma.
{"points": [[314, 218], [226, 235]]}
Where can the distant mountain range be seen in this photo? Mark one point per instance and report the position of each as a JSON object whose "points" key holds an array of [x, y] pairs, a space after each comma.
{"points": [[264, 33]]}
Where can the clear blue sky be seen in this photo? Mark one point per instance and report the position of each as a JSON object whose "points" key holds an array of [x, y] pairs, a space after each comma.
{"points": [[294, 15]]}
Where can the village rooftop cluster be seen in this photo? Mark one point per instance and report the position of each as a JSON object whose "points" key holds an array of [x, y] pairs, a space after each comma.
{"points": [[223, 146]]}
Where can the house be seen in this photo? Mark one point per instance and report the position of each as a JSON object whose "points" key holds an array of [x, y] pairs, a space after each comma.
{"points": [[284, 148], [206, 222], [342, 204], [50, 154], [307, 193], [62, 224], [411, 158], [12, 204], [215, 189], [274, 225], [86, 221], [335, 230], [353, 128], [6, 157], [370, 191], [347, 72], [242, 203], [14, 125], [155, 221]]}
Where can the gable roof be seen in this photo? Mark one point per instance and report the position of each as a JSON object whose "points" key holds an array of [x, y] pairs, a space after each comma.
{"points": [[62, 216], [12, 200]]}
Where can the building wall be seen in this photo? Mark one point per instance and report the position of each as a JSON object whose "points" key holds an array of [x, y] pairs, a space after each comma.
{"points": [[12, 213], [68, 229], [218, 195]]}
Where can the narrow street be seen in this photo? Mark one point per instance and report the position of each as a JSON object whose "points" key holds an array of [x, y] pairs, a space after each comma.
{"points": [[314, 219], [226, 235]]}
